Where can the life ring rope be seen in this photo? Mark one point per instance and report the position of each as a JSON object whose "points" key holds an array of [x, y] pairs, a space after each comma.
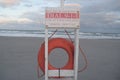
{"points": [[81, 50]]}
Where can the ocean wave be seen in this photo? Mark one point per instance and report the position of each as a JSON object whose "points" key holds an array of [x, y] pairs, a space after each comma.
{"points": [[41, 33]]}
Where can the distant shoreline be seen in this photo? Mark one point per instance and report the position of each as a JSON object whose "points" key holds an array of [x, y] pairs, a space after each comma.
{"points": [[116, 38], [41, 33]]}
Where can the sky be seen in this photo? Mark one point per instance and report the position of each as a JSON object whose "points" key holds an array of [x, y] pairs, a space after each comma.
{"points": [[95, 15]]}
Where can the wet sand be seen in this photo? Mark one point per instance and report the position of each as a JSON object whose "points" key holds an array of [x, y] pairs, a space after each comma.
{"points": [[18, 58]]}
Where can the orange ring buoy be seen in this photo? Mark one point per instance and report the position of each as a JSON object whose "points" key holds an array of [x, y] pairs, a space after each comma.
{"points": [[57, 43]]}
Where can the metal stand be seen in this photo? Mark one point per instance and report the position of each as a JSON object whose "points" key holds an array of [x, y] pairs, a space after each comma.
{"points": [[67, 73], [76, 53], [46, 54]]}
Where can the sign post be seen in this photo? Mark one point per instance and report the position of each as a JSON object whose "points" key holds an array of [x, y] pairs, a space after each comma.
{"points": [[62, 18], [62, 3]]}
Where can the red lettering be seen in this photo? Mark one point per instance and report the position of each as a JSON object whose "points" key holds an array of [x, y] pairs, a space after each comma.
{"points": [[63, 15]]}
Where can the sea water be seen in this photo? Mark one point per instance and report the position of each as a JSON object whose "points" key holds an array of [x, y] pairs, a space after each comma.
{"points": [[61, 33]]}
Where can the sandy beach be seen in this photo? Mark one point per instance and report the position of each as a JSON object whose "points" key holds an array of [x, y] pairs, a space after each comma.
{"points": [[18, 58]]}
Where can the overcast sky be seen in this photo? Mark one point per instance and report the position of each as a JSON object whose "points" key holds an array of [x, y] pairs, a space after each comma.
{"points": [[96, 15]]}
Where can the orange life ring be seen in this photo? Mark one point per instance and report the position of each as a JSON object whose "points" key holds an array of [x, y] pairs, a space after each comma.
{"points": [[53, 43]]}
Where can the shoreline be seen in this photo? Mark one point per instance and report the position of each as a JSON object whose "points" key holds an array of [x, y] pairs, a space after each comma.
{"points": [[97, 38]]}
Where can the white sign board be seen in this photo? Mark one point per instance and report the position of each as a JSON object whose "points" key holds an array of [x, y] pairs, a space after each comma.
{"points": [[62, 17]]}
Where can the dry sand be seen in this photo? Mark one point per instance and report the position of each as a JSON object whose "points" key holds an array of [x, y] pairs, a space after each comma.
{"points": [[18, 58]]}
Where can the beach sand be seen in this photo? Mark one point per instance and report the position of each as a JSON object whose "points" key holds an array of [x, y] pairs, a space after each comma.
{"points": [[18, 58]]}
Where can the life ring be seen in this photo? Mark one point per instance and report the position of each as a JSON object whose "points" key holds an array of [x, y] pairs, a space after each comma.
{"points": [[53, 43]]}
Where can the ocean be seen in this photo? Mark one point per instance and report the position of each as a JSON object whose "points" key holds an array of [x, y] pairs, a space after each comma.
{"points": [[61, 33]]}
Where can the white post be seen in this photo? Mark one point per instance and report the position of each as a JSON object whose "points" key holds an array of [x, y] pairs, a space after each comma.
{"points": [[62, 3], [46, 54], [76, 53]]}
